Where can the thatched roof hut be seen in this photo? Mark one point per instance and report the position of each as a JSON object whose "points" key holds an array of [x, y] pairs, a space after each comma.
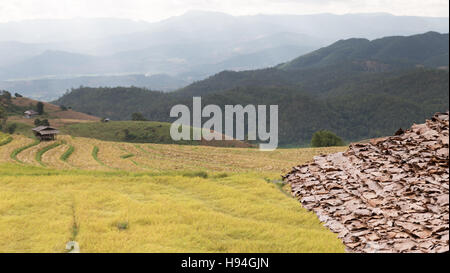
{"points": [[45, 132]]}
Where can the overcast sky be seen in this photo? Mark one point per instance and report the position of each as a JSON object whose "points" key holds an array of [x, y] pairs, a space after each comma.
{"points": [[155, 10]]}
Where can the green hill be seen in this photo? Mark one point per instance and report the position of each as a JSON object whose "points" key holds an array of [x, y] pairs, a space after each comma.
{"points": [[137, 132], [130, 131], [429, 49], [367, 106]]}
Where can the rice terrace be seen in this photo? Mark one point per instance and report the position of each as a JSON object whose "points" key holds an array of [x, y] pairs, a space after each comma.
{"points": [[126, 197]]}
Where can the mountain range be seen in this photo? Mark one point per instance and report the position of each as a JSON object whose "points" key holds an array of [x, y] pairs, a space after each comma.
{"points": [[357, 88], [187, 48]]}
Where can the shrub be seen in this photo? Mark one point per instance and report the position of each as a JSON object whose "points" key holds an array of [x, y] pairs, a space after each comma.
{"points": [[326, 138], [122, 225], [138, 117], [221, 175], [201, 174], [44, 122], [11, 128]]}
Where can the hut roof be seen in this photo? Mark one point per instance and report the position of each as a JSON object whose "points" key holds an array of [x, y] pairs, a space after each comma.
{"points": [[48, 132], [45, 130], [30, 112]]}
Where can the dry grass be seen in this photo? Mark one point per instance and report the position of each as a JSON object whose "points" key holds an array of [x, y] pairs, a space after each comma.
{"points": [[54, 110], [17, 142], [164, 198], [122, 212], [164, 157], [54, 114]]}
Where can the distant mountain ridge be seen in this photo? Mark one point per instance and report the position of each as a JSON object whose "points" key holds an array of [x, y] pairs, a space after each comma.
{"points": [[327, 67], [189, 47], [429, 49], [52, 88], [343, 93]]}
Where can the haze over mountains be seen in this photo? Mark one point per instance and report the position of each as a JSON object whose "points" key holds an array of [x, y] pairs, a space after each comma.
{"points": [[43, 58], [357, 88]]}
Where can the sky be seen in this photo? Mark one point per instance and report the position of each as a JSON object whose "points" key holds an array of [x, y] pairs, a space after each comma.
{"points": [[156, 10]]}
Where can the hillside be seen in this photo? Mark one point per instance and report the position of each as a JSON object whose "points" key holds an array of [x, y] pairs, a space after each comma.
{"points": [[138, 132], [346, 98], [79, 124], [356, 88], [429, 49], [53, 113]]}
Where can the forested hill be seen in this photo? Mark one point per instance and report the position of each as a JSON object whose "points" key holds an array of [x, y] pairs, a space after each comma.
{"points": [[429, 49], [369, 106], [357, 98], [342, 61]]}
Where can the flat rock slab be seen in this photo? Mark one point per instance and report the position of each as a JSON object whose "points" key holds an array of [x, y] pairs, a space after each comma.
{"points": [[388, 195]]}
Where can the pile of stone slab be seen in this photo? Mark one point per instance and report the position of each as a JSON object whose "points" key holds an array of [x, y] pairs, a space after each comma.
{"points": [[388, 195]]}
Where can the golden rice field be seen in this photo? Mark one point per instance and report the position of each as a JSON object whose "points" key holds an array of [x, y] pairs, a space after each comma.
{"points": [[123, 197]]}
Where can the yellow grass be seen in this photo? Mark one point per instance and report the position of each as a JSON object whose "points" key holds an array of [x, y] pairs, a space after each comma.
{"points": [[155, 200], [52, 157], [6, 150], [162, 157], [166, 213]]}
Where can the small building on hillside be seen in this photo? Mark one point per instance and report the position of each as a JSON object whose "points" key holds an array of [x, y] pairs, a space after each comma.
{"points": [[45, 133], [30, 113]]}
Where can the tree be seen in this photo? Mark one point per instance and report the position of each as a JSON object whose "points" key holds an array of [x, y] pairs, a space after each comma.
{"points": [[63, 108], [326, 138], [3, 117], [11, 128], [127, 135], [40, 108], [6, 95], [138, 117], [44, 122]]}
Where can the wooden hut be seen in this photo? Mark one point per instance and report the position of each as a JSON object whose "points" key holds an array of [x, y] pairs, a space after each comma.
{"points": [[45, 133], [30, 113]]}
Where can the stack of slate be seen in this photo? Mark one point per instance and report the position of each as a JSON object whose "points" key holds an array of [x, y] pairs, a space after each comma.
{"points": [[389, 195]]}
